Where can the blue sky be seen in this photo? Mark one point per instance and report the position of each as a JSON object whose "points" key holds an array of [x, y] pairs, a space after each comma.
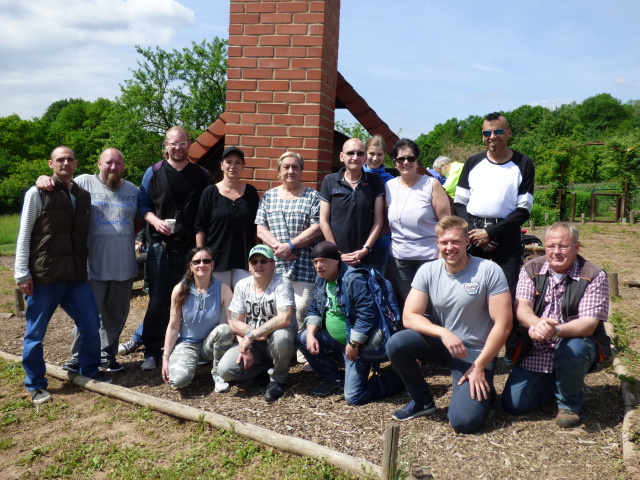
{"points": [[417, 63]]}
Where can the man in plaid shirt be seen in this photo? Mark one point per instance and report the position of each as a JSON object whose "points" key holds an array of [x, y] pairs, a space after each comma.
{"points": [[563, 350]]}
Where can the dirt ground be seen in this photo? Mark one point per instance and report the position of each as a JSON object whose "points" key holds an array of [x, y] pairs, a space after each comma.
{"points": [[508, 447]]}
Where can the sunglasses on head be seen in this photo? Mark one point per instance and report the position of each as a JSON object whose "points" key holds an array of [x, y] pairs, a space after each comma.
{"points": [[262, 261], [351, 153], [410, 158], [206, 261], [497, 131]]}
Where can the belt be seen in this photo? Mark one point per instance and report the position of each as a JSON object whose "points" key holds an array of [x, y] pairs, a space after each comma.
{"points": [[485, 221]]}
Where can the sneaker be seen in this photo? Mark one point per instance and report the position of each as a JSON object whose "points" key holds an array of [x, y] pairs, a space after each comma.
{"points": [[413, 410], [102, 378], [567, 419], [220, 385], [326, 389], [150, 363], [274, 391], [128, 347], [72, 366], [111, 366], [40, 395]]}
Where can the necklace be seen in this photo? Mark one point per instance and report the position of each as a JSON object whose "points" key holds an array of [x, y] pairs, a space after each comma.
{"points": [[354, 181], [405, 202], [502, 158]]}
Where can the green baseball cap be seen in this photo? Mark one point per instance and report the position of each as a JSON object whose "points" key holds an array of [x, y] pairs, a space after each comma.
{"points": [[262, 250]]}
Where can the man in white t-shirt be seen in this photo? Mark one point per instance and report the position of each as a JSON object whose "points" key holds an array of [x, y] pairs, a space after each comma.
{"points": [[262, 311], [470, 317]]}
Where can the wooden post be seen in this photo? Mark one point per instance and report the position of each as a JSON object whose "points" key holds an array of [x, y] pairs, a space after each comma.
{"points": [[531, 224], [390, 453], [632, 217], [18, 302], [613, 285], [546, 218], [582, 219]]}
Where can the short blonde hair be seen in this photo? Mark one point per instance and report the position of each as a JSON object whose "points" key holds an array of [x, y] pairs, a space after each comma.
{"points": [[451, 222], [295, 155]]}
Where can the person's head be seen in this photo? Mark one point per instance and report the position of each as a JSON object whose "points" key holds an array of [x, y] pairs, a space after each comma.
{"points": [[375, 148], [200, 266], [406, 154], [326, 260], [442, 165], [452, 240], [111, 166], [353, 155], [262, 263], [177, 143], [63, 163], [562, 246], [232, 162], [496, 132], [165, 152], [290, 166]]}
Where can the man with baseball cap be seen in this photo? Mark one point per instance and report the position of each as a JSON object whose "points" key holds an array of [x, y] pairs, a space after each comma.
{"points": [[262, 310], [331, 332]]}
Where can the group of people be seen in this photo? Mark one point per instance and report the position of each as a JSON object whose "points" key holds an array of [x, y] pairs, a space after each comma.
{"points": [[217, 296]]}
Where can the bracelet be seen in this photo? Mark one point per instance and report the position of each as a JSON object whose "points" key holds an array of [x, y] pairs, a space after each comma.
{"points": [[367, 247], [292, 246]]}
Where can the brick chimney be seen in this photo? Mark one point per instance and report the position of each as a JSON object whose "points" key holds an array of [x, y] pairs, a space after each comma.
{"points": [[281, 86]]}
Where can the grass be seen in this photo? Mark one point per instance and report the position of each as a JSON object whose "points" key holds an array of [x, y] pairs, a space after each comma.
{"points": [[9, 226], [149, 445]]}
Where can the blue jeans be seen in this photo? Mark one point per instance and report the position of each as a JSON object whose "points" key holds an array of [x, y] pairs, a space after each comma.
{"points": [[466, 415], [573, 358], [358, 388], [77, 300], [379, 254], [164, 272]]}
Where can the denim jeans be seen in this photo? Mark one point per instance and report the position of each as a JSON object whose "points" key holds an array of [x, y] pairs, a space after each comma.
{"points": [[379, 254], [358, 387], [164, 273], [525, 390], [77, 300], [466, 415], [274, 355]]}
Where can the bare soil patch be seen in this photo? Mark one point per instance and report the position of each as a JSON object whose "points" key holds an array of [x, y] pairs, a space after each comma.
{"points": [[508, 447]]}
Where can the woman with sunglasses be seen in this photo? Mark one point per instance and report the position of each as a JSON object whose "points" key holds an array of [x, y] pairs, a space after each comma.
{"points": [[415, 203], [196, 331], [225, 221]]}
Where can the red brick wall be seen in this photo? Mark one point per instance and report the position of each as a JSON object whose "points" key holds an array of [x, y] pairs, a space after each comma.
{"points": [[281, 86]]}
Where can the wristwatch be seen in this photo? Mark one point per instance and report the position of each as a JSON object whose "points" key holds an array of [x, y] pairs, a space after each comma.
{"points": [[354, 345], [250, 336], [557, 335]]}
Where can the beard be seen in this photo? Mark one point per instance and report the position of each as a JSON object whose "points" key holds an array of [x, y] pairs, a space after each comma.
{"points": [[113, 181]]}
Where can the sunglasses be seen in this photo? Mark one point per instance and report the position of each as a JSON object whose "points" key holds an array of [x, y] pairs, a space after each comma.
{"points": [[410, 158], [262, 261], [497, 131], [206, 261], [351, 153]]}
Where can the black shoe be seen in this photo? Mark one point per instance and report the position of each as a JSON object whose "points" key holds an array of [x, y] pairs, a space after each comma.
{"points": [[72, 366], [274, 391], [111, 366], [326, 389], [260, 380], [102, 378], [128, 348]]}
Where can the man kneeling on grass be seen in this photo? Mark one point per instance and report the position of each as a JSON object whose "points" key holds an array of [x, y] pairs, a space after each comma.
{"points": [[470, 308]]}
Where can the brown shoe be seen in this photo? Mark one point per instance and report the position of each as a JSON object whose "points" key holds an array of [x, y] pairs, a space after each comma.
{"points": [[567, 419]]}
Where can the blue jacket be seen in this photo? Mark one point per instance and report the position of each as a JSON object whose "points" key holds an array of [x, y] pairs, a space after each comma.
{"points": [[356, 301]]}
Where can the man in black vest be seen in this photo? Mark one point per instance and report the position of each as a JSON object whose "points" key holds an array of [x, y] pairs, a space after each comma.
{"points": [[51, 270], [169, 198], [562, 300]]}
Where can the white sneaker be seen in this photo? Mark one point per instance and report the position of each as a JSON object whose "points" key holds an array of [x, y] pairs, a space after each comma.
{"points": [[149, 364], [220, 385]]}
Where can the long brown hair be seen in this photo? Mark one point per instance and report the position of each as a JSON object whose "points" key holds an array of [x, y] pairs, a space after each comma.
{"points": [[187, 281]]}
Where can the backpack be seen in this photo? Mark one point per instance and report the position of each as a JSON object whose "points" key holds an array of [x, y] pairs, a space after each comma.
{"points": [[389, 316]]}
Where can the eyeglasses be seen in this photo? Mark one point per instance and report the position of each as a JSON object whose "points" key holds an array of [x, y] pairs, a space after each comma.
{"points": [[562, 248], [262, 261], [198, 261], [410, 158], [497, 131], [179, 144], [351, 153]]}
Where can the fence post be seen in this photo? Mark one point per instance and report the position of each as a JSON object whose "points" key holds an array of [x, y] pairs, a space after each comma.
{"points": [[582, 219], [613, 285], [632, 217], [18, 302], [390, 453]]}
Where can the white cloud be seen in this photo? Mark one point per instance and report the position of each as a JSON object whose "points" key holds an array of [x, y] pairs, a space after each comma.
{"points": [[551, 104], [486, 68]]}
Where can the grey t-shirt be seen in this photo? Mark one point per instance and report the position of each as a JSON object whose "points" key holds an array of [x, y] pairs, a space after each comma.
{"points": [[460, 300], [112, 255], [258, 309]]}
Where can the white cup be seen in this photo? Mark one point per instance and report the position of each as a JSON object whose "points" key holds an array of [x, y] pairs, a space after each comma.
{"points": [[172, 224]]}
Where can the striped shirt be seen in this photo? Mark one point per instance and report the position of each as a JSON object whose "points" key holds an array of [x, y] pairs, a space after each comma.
{"points": [[593, 304]]}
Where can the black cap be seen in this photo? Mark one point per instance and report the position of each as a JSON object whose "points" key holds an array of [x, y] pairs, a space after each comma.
{"points": [[326, 250], [229, 150]]}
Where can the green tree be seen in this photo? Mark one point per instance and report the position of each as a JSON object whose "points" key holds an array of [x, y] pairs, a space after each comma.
{"points": [[600, 113]]}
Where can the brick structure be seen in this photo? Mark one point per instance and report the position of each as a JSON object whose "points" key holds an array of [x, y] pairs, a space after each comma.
{"points": [[282, 84]]}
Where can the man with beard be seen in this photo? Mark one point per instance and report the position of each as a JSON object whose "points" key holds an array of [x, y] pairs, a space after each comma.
{"points": [[111, 236], [171, 189]]}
